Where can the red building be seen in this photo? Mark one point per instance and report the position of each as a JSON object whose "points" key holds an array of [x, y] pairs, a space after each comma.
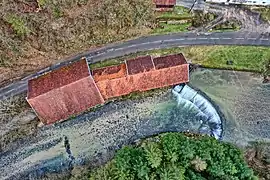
{"points": [[141, 74], [63, 92], [71, 89], [164, 5]]}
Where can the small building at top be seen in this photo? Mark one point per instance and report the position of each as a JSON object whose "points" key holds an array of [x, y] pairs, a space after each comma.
{"points": [[164, 5]]}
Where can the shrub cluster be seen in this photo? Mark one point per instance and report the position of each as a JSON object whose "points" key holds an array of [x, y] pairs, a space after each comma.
{"points": [[176, 156]]}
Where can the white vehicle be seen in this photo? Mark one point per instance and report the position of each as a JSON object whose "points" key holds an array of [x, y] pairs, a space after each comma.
{"points": [[246, 2]]}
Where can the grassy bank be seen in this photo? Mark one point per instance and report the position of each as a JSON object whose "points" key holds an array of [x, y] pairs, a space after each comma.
{"points": [[248, 58], [177, 20], [180, 20]]}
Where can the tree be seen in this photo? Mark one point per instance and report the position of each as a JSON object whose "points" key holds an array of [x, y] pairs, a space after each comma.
{"points": [[174, 156], [154, 154]]}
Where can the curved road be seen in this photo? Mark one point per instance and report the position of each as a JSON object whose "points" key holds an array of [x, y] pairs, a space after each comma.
{"points": [[148, 43]]}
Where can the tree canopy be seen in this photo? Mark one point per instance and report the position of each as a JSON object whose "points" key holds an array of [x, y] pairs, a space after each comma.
{"points": [[174, 156]]}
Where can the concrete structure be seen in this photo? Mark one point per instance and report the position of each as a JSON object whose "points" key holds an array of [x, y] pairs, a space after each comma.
{"points": [[164, 5], [141, 74], [64, 92]]}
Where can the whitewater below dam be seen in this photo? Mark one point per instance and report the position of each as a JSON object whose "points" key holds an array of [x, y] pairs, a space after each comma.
{"points": [[232, 106]]}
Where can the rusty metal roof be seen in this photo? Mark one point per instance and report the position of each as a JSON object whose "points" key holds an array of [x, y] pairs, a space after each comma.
{"points": [[63, 92], [110, 72], [58, 78], [139, 65], [169, 70], [169, 61]]}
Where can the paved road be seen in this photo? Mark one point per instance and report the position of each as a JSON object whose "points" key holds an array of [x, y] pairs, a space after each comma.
{"points": [[200, 5], [148, 43]]}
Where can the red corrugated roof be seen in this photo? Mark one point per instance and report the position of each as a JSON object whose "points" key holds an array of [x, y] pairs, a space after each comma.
{"points": [[63, 92], [139, 65], [164, 2], [61, 103], [111, 72], [170, 70], [58, 78], [144, 81], [169, 61]]}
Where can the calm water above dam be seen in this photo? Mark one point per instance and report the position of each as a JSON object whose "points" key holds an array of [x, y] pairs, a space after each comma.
{"points": [[240, 101]]}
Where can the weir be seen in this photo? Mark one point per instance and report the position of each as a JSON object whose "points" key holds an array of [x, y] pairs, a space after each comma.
{"points": [[206, 113]]}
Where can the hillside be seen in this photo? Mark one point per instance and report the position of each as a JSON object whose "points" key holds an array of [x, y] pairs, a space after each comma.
{"points": [[37, 33]]}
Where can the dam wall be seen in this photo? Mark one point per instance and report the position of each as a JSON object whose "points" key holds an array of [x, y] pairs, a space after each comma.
{"points": [[210, 120]]}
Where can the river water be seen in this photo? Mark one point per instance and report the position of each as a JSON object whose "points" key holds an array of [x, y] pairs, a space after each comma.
{"points": [[234, 102]]}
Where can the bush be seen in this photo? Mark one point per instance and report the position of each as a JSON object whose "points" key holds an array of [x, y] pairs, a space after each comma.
{"points": [[176, 156], [18, 25]]}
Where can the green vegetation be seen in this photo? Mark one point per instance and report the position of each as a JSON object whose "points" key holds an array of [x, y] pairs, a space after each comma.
{"points": [[266, 68], [176, 21], [200, 18], [175, 156], [170, 28], [243, 57], [227, 26], [181, 20], [105, 63], [248, 58], [41, 3], [265, 12], [179, 12], [18, 25]]}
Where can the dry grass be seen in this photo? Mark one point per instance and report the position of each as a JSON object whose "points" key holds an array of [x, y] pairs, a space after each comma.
{"points": [[35, 35], [11, 107], [258, 157], [17, 134]]}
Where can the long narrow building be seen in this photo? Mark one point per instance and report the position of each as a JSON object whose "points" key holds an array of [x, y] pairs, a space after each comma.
{"points": [[72, 89], [141, 74]]}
